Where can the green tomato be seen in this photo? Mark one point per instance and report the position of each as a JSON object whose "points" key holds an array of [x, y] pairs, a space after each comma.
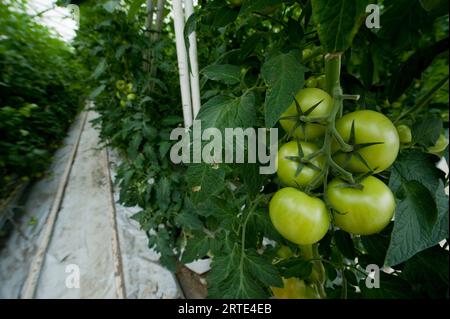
{"points": [[131, 97], [284, 252], [363, 211], [294, 288], [287, 167], [321, 82], [311, 82], [298, 217], [307, 98], [402, 97], [129, 87], [404, 134], [234, 3], [120, 85], [306, 53], [439, 146], [369, 127], [123, 103]]}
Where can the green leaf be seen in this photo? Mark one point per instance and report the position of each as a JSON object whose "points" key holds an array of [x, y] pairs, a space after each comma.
{"points": [[345, 244], [121, 50], [423, 202], [262, 270], [391, 287], [402, 21], [234, 275], [96, 92], [426, 131], [204, 180], [295, 267], [428, 272], [412, 233], [415, 165], [196, 248], [338, 22], [377, 245], [101, 67], [284, 76], [226, 112], [253, 181], [224, 16], [188, 220], [163, 193], [134, 8], [226, 73]]}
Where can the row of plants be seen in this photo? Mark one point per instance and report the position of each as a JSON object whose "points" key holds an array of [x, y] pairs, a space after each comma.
{"points": [[40, 94], [363, 113]]}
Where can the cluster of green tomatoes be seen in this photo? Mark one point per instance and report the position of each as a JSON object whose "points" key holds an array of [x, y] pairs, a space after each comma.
{"points": [[331, 184], [124, 92]]}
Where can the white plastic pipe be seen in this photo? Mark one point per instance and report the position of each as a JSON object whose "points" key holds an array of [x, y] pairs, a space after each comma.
{"points": [[195, 84], [148, 26], [178, 18]]}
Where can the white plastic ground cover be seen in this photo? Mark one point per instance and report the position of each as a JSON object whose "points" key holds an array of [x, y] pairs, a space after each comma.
{"points": [[82, 235]]}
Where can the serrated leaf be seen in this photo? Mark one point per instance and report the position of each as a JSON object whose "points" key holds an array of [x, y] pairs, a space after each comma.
{"points": [[345, 244], [163, 192], [247, 276], [226, 73], [411, 233], [426, 131], [262, 270], [253, 181], [415, 165], [187, 220], [226, 112], [284, 76], [197, 247], [210, 180], [338, 22]]}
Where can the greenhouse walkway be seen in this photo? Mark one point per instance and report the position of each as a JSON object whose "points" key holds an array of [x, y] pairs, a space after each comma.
{"points": [[88, 247]]}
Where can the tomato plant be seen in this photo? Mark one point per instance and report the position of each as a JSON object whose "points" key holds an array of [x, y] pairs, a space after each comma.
{"points": [[40, 94], [257, 63]]}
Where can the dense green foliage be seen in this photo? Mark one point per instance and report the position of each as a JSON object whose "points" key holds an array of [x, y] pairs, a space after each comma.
{"points": [[254, 58], [40, 94]]}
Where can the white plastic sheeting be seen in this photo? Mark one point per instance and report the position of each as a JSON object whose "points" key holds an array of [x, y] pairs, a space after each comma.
{"points": [[83, 235]]}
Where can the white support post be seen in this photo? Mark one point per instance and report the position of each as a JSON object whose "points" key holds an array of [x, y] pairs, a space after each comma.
{"points": [[195, 85], [182, 62]]}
